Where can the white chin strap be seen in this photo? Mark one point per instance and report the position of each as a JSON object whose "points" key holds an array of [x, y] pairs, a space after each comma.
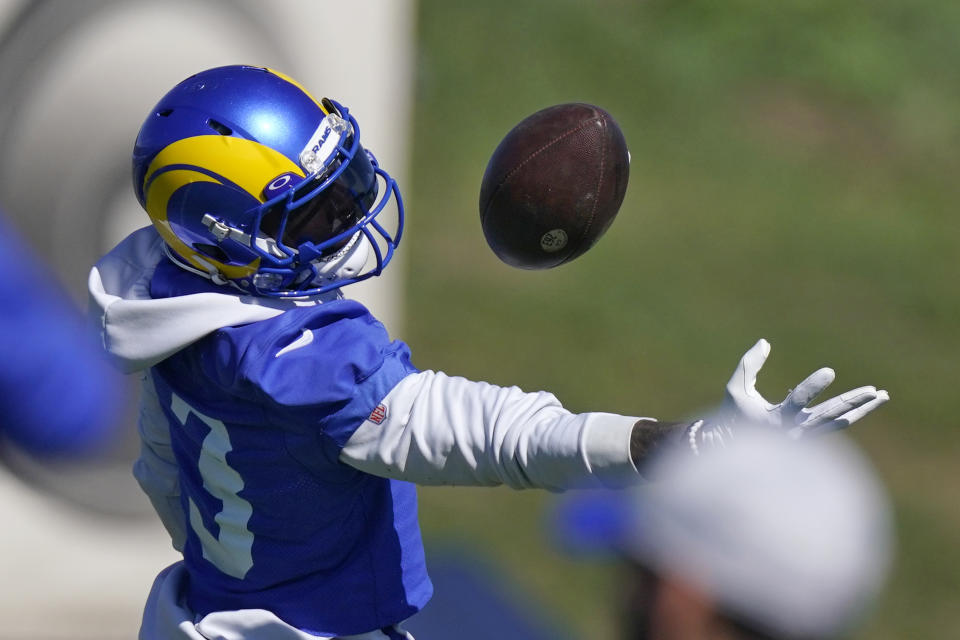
{"points": [[344, 264]]}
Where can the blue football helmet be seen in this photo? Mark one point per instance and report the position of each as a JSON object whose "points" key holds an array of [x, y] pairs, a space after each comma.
{"points": [[253, 183]]}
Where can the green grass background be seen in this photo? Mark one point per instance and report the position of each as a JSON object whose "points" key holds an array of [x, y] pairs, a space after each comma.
{"points": [[794, 176]]}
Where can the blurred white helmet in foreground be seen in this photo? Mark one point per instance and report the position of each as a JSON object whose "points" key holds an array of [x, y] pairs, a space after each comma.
{"points": [[792, 538]]}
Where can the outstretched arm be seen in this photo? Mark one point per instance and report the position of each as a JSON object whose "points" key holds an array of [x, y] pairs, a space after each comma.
{"points": [[436, 429]]}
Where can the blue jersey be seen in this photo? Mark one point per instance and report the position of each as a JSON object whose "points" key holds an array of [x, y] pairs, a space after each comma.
{"points": [[258, 415]]}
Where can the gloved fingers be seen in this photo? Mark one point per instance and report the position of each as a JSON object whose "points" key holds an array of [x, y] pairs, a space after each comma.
{"points": [[743, 382], [810, 388], [837, 408], [851, 416]]}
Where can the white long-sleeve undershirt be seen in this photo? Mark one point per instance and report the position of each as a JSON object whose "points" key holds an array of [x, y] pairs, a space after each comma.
{"points": [[445, 430], [156, 469]]}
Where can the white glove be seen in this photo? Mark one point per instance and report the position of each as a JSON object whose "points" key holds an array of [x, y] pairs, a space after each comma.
{"points": [[743, 404]]}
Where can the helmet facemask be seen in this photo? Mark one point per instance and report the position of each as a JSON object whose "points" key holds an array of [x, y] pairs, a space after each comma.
{"points": [[318, 233]]}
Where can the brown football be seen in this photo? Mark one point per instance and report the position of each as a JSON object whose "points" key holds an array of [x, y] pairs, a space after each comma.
{"points": [[554, 185]]}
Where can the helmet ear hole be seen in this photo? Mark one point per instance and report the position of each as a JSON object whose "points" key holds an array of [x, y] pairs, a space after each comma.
{"points": [[329, 107], [212, 251], [220, 128]]}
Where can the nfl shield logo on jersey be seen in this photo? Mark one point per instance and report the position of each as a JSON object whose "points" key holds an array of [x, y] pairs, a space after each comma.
{"points": [[379, 414]]}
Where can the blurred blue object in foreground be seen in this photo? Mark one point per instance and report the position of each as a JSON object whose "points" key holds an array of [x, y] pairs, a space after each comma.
{"points": [[592, 523], [58, 395], [472, 602]]}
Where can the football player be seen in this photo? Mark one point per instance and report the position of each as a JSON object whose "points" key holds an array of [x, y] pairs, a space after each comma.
{"points": [[283, 430]]}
